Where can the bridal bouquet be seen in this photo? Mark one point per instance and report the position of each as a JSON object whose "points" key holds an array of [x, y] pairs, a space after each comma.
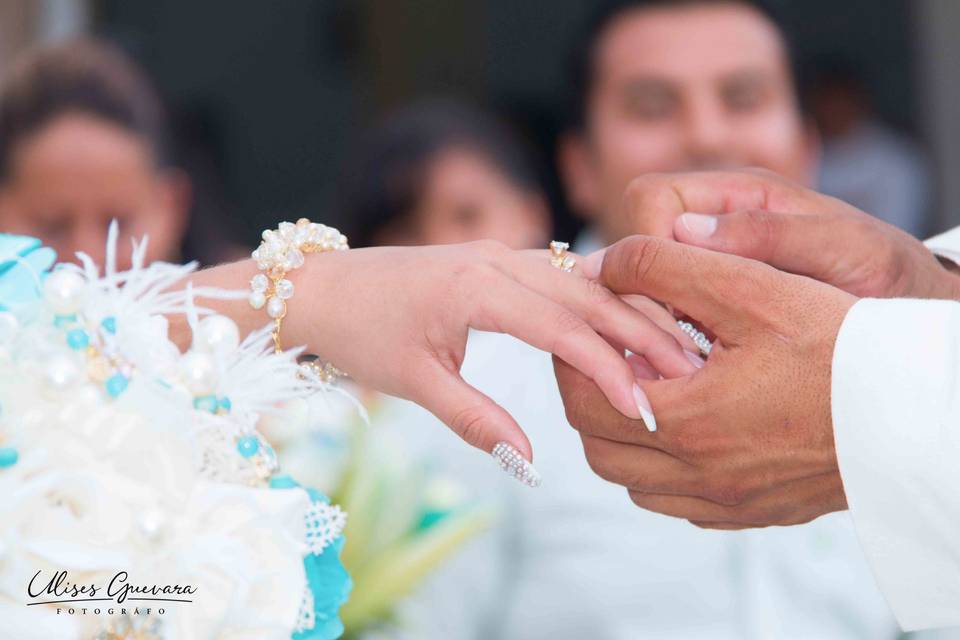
{"points": [[138, 495]]}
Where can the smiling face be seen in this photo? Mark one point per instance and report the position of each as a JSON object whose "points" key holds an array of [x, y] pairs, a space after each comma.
{"points": [[73, 176], [680, 88]]}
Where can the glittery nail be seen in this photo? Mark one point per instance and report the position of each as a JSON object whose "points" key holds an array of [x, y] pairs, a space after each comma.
{"points": [[512, 462]]}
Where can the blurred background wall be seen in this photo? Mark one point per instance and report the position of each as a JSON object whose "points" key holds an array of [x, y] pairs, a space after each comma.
{"points": [[268, 96]]}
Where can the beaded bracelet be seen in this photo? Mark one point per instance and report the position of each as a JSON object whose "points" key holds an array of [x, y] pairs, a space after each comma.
{"points": [[281, 251]]}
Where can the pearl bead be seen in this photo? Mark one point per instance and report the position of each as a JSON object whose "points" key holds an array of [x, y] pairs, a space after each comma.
{"points": [[63, 291], [257, 299], [216, 334], [285, 289], [276, 307], [199, 373], [151, 523], [9, 325], [259, 282], [62, 370]]}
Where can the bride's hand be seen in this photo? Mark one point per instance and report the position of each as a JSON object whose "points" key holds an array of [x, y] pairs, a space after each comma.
{"points": [[396, 319]]}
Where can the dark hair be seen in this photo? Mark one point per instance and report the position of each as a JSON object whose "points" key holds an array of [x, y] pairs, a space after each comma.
{"points": [[383, 182], [83, 76], [581, 63]]}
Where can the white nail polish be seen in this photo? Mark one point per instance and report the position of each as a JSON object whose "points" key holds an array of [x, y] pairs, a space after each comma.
{"points": [[512, 462], [694, 359], [646, 411], [699, 225]]}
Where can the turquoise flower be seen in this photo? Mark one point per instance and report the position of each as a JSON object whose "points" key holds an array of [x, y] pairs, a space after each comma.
{"points": [[326, 577], [23, 261]]}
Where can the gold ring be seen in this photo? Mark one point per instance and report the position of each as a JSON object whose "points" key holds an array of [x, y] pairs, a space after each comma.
{"points": [[560, 258]]}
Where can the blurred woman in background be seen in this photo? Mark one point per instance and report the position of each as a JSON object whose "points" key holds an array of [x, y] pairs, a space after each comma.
{"points": [[83, 142], [439, 173]]}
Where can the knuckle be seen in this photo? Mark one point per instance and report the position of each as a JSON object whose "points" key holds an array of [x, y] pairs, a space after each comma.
{"points": [[598, 296], [642, 186], [728, 493], [470, 423], [569, 330], [643, 258]]}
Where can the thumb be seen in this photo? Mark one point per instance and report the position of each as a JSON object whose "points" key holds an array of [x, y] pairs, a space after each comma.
{"points": [[480, 421], [790, 242]]}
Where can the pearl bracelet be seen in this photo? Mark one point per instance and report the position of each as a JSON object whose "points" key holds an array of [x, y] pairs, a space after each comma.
{"points": [[282, 251]]}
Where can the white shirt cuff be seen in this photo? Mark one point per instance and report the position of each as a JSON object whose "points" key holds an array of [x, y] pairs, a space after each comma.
{"points": [[896, 418]]}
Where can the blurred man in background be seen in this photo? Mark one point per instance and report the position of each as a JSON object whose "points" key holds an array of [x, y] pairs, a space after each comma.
{"points": [[82, 142], [679, 85], [441, 172]]}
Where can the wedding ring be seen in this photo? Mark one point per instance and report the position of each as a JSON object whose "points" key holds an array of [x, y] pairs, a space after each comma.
{"points": [[560, 258], [699, 337]]}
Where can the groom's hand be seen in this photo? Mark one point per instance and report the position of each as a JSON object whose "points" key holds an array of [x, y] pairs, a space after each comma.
{"points": [[757, 214], [748, 439]]}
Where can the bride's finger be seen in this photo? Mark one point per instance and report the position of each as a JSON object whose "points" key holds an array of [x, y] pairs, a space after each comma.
{"points": [[509, 307], [660, 316], [472, 415], [604, 311]]}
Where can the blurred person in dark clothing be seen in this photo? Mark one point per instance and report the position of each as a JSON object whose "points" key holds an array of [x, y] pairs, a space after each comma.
{"points": [[83, 141], [441, 172], [865, 161]]}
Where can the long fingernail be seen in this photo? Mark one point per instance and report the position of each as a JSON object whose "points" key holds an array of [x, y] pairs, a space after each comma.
{"points": [[694, 359], [699, 225], [643, 405], [593, 264], [513, 462]]}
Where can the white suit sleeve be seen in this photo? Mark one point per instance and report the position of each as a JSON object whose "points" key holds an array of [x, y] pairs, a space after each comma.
{"points": [[946, 245], [896, 418]]}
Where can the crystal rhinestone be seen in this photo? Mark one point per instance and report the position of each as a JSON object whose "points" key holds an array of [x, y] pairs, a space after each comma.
{"points": [[284, 289], [257, 299], [8, 457], [276, 307], [77, 339], [294, 259], [116, 384], [248, 446], [259, 282], [287, 230]]}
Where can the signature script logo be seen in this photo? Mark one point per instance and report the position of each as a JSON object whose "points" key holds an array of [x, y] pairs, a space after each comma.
{"points": [[59, 589]]}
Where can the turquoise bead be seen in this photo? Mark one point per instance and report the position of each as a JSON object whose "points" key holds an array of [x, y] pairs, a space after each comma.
{"points": [[248, 446], [78, 339], [205, 403], [8, 457], [61, 321], [116, 384], [225, 404], [283, 481], [109, 324]]}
